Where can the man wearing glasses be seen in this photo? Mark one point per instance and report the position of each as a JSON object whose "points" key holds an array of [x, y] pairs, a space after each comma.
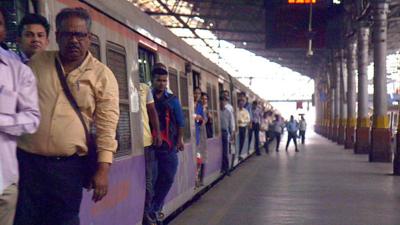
{"points": [[52, 161]]}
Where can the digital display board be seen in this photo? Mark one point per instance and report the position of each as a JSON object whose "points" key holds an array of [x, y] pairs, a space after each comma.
{"points": [[302, 1]]}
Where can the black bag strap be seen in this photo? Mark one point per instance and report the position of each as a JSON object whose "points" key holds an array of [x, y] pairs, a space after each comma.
{"points": [[71, 99]]}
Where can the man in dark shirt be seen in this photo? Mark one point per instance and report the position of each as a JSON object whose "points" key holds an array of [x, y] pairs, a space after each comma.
{"points": [[171, 120]]}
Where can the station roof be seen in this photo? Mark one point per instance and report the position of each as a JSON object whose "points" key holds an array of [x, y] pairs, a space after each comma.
{"points": [[272, 29]]}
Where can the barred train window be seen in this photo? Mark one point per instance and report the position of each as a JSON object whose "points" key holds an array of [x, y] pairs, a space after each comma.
{"points": [[95, 46], [173, 81], [116, 61], [184, 97], [146, 62]]}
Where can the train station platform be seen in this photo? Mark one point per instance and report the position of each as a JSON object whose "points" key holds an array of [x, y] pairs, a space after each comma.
{"points": [[322, 184]]}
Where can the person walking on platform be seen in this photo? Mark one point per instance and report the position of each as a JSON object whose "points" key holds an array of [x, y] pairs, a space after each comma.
{"points": [[226, 133], [75, 92], [243, 119], [277, 130], [19, 114], [255, 126], [265, 129], [292, 127], [149, 119], [171, 120], [302, 129]]}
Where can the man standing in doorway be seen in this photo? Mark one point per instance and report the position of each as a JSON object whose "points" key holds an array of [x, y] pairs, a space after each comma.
{"points": [[226, 134], [171, 120], [149, 119], [53, 162], [243, 118], [19, 113], [255, 126]]}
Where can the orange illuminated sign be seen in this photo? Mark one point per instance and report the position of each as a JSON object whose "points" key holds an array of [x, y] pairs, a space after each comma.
{"points": [[302, 1]]}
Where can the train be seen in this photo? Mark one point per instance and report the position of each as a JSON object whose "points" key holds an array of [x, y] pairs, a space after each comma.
{"points": [[129, 42]]}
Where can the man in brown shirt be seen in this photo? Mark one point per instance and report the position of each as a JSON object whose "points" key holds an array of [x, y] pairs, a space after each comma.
{"points": [[52, 161]]}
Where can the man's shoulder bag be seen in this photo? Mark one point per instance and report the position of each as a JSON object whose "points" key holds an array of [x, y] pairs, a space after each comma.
{"points": [[91, 158]]}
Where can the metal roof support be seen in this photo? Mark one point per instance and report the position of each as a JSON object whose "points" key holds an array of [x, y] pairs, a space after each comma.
{"points": [[185, 25]]}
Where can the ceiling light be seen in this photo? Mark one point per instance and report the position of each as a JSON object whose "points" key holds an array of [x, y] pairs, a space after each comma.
{"points": [[244, 43]]}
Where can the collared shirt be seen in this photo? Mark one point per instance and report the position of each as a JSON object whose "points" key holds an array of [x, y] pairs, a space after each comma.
{"points": [[226, 117], [9, 54], [146, 97], [257, 115], [61, 133], [229, 107], [23, 57], [19, 113], [292, 126], [243, 117], [302, 125]]}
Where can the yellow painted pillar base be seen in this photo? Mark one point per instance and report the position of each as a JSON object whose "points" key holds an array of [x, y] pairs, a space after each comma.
{"points": [[342, 131], [380, 141], [350, 133], [363, 133]]}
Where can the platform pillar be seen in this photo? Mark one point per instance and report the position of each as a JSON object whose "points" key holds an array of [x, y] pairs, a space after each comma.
{"points": [[362, 144], [343, 104], [335, 129], [351, 95], [380, 134]]}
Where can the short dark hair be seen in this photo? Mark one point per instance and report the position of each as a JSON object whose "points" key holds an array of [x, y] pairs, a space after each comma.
{"points": [[222, 98], [33, 19], [67, 13], [204, 94], [159, 69]]}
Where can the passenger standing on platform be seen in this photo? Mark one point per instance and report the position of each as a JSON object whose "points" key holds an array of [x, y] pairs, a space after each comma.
{"points": [[149, 118], [19, 113], [33, 36], [302, 128], [229, 107], [226, 134], [255, 126], [292, 127], [243, 118], [171, 120], [277, 130], [54, 162]]}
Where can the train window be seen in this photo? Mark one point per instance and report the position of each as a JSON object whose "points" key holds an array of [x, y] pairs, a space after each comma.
{"points": [[146, 62], [173, 81], [184, 97], [196, 79], [95, 46], [16, 10], [116, 61]]}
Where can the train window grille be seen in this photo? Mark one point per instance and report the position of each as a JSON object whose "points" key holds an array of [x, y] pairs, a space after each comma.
{"points": [[95, 46], [173, 81], [16, 10], [146, 62], [116, 61], [196, 79], [184, 99]]}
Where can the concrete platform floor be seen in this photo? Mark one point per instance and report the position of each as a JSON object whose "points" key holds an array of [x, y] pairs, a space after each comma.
{"points": [[322, 184]]}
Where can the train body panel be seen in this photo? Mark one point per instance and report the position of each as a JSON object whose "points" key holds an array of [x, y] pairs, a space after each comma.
{"points": [[120, 31]]}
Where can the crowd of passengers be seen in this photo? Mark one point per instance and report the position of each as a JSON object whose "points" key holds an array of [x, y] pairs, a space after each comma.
{"points": [[50, 100]]}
